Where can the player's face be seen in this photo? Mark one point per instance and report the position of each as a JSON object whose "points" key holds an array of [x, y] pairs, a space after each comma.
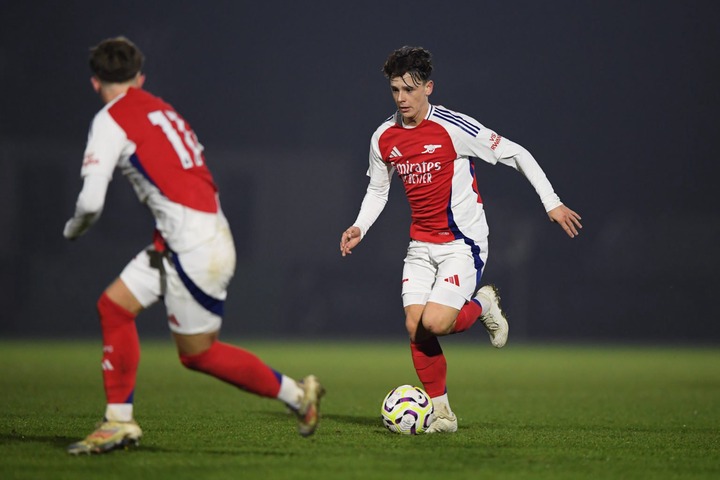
{"points": [[411, 98]]}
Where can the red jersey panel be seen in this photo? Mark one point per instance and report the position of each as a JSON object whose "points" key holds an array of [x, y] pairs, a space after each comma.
{"points": [[167, 151], [424, 158]]}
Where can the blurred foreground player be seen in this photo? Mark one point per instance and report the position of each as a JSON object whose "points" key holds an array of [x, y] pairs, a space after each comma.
{"points": [[431, 149], [188, 266]]}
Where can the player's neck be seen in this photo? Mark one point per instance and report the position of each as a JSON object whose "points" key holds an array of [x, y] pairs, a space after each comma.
{"points": [[415, 120], [110, 92]]}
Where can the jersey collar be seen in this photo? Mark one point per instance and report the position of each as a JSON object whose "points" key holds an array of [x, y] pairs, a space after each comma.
{"points": [[399, 121]]}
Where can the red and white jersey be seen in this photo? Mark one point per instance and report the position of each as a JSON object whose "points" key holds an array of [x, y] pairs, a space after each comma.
{"points": [[434, 162], [158, 152]]}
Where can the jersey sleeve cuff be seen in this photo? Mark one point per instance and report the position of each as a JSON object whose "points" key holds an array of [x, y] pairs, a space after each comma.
{"points": [[551, 201]]}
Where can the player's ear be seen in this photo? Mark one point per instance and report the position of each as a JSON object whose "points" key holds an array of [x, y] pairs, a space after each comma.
{"points": [[140, 80], [95, 83], [429, 87]]}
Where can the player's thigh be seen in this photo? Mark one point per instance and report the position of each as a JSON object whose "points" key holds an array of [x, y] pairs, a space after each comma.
{"points": [[196, 286], [418, 274], [142, 279], [459, 272]]}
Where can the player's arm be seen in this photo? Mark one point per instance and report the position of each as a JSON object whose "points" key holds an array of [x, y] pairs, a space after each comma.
{"points": [[106, 142], [522, 160], [493, 148], [373, 203], [89, 206]]}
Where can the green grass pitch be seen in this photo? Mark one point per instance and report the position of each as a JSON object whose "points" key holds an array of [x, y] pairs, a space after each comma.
{"points": [[525, 412]]}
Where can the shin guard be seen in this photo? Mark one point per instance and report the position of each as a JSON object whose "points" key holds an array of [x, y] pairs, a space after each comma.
{"points": [[430, 365], [121, 350]]}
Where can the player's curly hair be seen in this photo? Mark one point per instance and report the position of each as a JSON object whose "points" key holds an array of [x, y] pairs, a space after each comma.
{"points": [[116, 60], [413, 60]]}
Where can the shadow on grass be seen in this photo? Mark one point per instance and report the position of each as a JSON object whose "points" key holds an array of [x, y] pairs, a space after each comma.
{"points": [[372, 424], [361, 420], [234, 451], [53, 440], [61, 443]]}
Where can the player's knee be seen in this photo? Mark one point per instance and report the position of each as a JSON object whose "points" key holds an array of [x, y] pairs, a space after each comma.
{"points": [[196, 352], [111, 314], [436, 325], [196, 362], [103, 305], [192, 362], [411, 325]]}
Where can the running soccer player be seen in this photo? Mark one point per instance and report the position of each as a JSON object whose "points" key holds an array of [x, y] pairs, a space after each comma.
{"points": [[190, 262], [430, 147]]}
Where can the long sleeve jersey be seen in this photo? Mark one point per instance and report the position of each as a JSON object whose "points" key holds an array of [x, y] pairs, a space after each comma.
{"points": [[434, 162], [157, 151]]}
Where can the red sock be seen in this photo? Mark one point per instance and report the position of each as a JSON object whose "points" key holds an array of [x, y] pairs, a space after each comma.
{"points": [[430, 365], [121, 350], [467, 316], [237, 367]]}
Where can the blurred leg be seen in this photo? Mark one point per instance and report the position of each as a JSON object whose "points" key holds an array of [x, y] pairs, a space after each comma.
{"points": [[117, 309]]}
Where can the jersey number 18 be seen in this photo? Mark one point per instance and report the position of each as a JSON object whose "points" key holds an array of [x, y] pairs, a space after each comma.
{"points": [[190, 151]]}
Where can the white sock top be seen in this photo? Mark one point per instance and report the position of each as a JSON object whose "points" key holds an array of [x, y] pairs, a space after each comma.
{"points": [[119, 412], [290, 392]]}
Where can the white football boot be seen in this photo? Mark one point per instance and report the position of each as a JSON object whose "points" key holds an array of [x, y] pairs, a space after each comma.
{"points": [[444, 421], [494, 319], [109, 435], [309, 412]]}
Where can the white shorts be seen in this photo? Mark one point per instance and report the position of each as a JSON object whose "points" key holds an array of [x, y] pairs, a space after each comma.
{"points": [[444, 273], [193, 287]]}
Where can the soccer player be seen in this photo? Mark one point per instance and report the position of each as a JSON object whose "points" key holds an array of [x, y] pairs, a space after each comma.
{"points": [[431, 149], [188, 265]]}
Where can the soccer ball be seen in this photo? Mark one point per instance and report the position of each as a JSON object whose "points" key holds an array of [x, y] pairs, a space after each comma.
{"points": [[407, 410]]}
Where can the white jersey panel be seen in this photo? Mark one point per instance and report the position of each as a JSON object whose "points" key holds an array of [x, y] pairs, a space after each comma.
{"points": [[468, 214], [472, 139], [108, 147]]}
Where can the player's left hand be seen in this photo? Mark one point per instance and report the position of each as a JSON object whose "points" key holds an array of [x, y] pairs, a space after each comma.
{"points": [[567, 219]]}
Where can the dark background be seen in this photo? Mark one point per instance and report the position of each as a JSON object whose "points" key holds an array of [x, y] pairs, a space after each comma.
{"points": [[618, 101]]}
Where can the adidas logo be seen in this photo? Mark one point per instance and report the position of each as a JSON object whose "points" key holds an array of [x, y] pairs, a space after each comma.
{"points": [[395, 153], [454, 280]]}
